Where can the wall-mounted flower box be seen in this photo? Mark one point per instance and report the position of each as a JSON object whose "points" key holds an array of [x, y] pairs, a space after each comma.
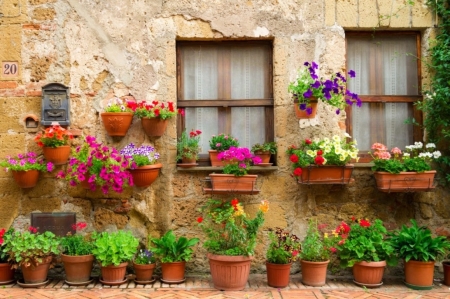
{"points": [[326, 174], [405, 181], [229, 183]]}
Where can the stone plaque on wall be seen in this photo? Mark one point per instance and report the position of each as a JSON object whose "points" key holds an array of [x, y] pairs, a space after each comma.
{"points": [[58, 223]]}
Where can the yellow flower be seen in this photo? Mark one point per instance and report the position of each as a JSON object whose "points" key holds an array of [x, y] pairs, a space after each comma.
{"points": [[335, 234], [311, 153], [353, 155], [325, 235], [337, 138], [239, 211], [264, 206], [341, 158]]}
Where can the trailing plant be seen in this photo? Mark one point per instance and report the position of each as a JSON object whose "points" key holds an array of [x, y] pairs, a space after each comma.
{"points": [[114, 248], [171, 249], [25, 162], [283, 248]]}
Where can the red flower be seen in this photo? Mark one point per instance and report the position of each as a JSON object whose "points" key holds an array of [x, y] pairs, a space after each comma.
{"points": [[200, 219], [319, 160], [343, 228], [294, 253], [333, 250], [353, 218], [319, 152], [181, 111], [156, 112], [298, 171], [32, 230], [293, 158], [234, 202], [364, 223], [308, 141]]}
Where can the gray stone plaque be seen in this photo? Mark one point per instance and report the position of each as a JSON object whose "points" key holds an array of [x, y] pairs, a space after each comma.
{"points": [[58, 223]]}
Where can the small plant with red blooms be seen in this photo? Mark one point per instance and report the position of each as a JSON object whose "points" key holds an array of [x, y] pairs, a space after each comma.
{"points": [[188, 145], [364, 241], [318, 246], [117, 104], [75, 243], [53, 136], [163, 110], [284, 247], [335, 151], [3, 253]]}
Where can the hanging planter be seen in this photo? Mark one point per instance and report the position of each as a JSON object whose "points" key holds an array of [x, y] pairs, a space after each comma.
{"points": [[154, 127], [57, 155], [223, 183], [26, 179], [117, 123], [303, 114], [326, 174], [405, 181], [144, 176]]}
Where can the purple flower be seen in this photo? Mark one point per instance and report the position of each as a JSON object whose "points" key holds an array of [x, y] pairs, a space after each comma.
{"points": [[302, 106], [352, 74], [309, 110], [308, 93]]}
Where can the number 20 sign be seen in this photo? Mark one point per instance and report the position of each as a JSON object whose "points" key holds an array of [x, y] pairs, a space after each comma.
{"points": [[10, 69]]}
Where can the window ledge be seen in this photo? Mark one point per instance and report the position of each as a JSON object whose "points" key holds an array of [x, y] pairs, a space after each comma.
{"points": [[363, 165], [219, 169]]}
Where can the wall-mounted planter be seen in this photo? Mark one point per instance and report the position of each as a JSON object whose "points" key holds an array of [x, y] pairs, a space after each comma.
{"points": [[144, 176], [405, 181], [154, 127], [57, 155], [326, 174], [302, 114], [117, 123], [229, 183], [26, 179]]}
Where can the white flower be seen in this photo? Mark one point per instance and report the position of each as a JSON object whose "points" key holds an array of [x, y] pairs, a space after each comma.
{"points": [[409, 147], [406, 155], [347, 135], [341, 158], [430, 145], [353, 155], [338, 151], [436, 154], [418, 144], [336, 138], [327, 149], [425, 155], [311, 153]]}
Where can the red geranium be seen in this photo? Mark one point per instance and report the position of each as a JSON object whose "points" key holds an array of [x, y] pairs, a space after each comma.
{"points": [[293, 158], [319, 160]]}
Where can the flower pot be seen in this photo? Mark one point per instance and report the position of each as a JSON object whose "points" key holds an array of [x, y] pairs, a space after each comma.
{"points": [[57, 155], [173, 272], [302, 114], [446, 266], [77, 267], [144, 176], [26, 179], [314, 273], [36, 273], [419, 275], [369, 274], [405, 181], [326, 174], [278, 274], [229, 273], [6, 273], [114, 274], [230, 183], [188, 160], [265, 156], [154, 127], [213, 158], [144, 272], [117, 123]]}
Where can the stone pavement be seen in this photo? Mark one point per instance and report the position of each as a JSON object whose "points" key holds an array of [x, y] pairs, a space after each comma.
{"points": [[201, 287]]}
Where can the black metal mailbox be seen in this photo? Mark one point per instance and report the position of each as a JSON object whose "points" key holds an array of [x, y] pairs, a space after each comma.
{"points": [[55, 104]]}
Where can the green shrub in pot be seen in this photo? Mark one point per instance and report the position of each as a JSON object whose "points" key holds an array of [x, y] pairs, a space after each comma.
{"points": [[114, 248]]}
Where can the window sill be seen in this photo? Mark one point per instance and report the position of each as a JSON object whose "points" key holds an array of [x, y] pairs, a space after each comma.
{"points": [[363, 165], [254, 169]]}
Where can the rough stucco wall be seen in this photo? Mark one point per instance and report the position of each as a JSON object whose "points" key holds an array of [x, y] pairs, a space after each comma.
{"points": [[105, 48]]}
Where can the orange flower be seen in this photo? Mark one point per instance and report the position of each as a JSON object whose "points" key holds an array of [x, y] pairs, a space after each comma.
{"points": [[264, 206]]}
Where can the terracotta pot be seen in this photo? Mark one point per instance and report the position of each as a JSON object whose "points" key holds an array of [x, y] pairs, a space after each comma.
{"points": [[419, 274], [326, 174], [144, 176], [36, 273], [314, 273], [114, 273], [57, 155], [265, 156], [144, 272], [26, 179], [117, 123], [230, 182], [446, 266], [173, 272], [154, 127], [188, 160], [6, 273], [302, 114], [229, 273], [369, 274], [77, 267], [405, 181], [278, 274], [213, 158]]}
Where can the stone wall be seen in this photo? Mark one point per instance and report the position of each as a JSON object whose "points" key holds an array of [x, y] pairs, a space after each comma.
{"points": [[101, 48]]}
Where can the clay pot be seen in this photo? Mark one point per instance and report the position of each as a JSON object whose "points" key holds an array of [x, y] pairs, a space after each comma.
{"points": [[229, 273], [114, 274], [405, 181], [326, 174], [117, 123], [154, 127], [265, 156], [419, 274], [26, 179], [144, 272], [278, 274], [77, 267], [173, 272], [446, 266], [230, 182], [213, 158], [302, 114], [369, 274], [57, 155], [6, 273], [144, 176], [314, 273], [36, 273]]}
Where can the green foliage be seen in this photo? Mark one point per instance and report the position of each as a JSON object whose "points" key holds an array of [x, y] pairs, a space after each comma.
{"points": [[391, 166], [76, 244], [366, 242], [416, 243], [317, 247], [228, 229], [283, 247], [27, 248], [187, 146], [3, 253], [222, 142], [265, 147], [170, 249], [114, 248]]}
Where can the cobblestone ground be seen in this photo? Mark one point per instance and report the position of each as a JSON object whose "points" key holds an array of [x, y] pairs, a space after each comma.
{"points": [[201, 287]]}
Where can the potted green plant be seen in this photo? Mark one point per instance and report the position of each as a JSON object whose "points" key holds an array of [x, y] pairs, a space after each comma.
{"points": [[6, 269], [323, 161], [188, 148], [154, 116], [144, 264], [308, 88], [220, 143], [76, 255], [113, 250], [283, 250], [317, 248], [33, 252], [25, 168], [118, 115], [365, 248], [54, 141], [264, 151], [407, 171], [230, 241], [419, 250], [174, 253], [96, 165], [144, 167]]}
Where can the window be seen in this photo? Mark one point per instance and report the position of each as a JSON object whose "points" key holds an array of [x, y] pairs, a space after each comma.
{"points": [[226, 87], [388, 82]]}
